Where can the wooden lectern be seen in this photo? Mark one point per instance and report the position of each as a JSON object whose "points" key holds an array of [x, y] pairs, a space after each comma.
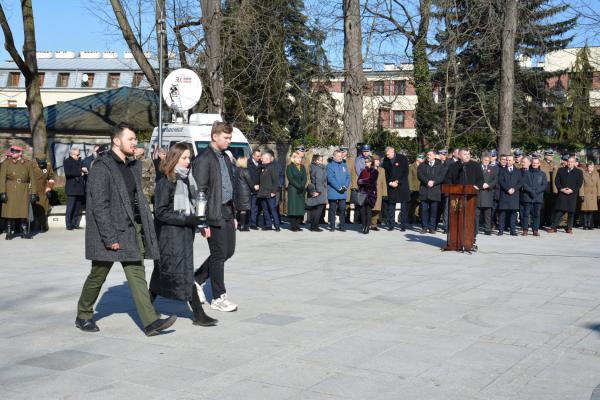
{"points": [[462, 201]]}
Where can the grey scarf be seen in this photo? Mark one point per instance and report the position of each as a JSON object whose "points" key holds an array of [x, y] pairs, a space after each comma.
{"points": [[184, 193]]}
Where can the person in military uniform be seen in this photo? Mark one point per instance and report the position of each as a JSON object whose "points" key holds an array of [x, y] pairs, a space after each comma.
{"points": [[2, 220], [518, 153], [414, 185], [44, 177], [148, 173], [16, 176]]}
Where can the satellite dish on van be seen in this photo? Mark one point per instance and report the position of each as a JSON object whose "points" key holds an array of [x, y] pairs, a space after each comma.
{"points": [[182, 89]]}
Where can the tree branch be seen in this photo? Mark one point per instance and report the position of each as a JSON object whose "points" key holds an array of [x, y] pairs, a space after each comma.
{"points": [[9, 44]]}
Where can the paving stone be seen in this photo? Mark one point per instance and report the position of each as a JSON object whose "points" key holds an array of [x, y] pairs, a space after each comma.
{"points": [[63, 360], [273, 319]]}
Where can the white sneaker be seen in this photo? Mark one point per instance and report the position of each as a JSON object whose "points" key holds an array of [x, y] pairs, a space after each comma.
{"points": [[200, 291], [222, 304]]}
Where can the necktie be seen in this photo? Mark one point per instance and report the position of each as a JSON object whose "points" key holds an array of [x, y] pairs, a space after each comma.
{"points": [[509, 169]]}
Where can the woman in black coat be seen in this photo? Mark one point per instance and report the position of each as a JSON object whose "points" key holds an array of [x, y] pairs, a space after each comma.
{"points": [[243, 187], [367, 184], [176, 222]]}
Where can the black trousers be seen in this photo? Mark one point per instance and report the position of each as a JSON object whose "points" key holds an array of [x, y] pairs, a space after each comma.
{"points": [[391, 214], [314, 215], [366, 211], [340, 207], [74, 205], [558, 214], [295, 220], [222, 246], [487, 219]]}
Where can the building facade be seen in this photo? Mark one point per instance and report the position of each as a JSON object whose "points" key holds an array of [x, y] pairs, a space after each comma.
{"points": [[66, 75]]}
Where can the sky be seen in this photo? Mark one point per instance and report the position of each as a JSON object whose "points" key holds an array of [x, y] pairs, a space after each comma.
{"points": [[75, 25]]}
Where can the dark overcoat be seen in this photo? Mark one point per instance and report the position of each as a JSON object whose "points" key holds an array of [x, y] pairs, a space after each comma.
{"points": [[269, 181], [173, 275], [396, 169], [75, 183], [207, 174], [318, 177], [534, 184], [469, 173], [485, 197], [367, 184], [506, 181], [568, 179], [244, 187], [296, 189], [110, 217], [427, 173]]}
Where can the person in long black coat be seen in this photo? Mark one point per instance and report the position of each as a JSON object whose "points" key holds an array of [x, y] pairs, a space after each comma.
{"points": [[431, 174], [254, 168], [176, 223], [568, 181], [532, 195], [267, 192], [244, 188], [74, 187], [485, 196], [396, 175], [509, 180]]}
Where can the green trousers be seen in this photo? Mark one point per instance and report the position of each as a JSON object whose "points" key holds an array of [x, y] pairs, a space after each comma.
{"points": [[136, 278]]}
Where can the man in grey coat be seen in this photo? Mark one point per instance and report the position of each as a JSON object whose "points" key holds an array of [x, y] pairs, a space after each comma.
{"points": [[119, 227]]}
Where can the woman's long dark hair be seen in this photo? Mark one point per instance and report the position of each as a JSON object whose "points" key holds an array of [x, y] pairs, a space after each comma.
{"points": [[167, 166]]}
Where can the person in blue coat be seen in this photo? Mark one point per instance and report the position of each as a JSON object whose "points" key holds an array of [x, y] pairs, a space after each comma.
{"points": [[509, 182], [338, 181]]}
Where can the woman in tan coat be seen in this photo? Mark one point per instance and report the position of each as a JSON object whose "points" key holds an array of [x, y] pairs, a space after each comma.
{"points": [[381, 193], [589, 193]]}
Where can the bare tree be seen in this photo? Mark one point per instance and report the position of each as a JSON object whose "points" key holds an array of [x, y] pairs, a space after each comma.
{"points": [[507, 78], [353, 75], [211, 22], [29, 68]]}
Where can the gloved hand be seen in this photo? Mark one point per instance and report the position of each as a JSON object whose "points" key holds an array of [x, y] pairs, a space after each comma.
{"points": [[193, 220], [3, 198], [34, 198]]}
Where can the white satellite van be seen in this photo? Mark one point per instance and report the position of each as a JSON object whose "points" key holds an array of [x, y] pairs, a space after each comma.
{"points": [[196, 133]]}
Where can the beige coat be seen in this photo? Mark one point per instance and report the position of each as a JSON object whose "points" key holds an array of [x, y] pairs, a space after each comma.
{"points": [[44, 181], [381, 189], [590, 190], [17, 180]]}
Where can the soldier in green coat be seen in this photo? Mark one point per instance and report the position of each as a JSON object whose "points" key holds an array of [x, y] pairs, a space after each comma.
{"points": [[296, 175], [16, 177]]}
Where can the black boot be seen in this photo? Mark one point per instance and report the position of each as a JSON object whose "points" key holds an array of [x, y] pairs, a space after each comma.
{"points": [[25, 234], [200, 317], [10, 229]]}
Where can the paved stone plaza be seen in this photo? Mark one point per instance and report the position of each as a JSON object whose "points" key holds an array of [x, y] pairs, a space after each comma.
{"points": [[321, 316]]}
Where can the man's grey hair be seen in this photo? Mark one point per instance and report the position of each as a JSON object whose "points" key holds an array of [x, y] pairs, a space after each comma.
{"points": [[389, 148], [528, 158]]}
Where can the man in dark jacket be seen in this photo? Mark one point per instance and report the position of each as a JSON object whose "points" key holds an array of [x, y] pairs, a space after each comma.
{"points": [[119, 227], [485, 196], [213, 174], [396, 176], [431, 175], [509, 181], [75, 173], [568, 182], [254, 167], [532, 195], [267, 192]]}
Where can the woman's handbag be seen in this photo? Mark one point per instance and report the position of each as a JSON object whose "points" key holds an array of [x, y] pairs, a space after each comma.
{"points": [[357, 198]]}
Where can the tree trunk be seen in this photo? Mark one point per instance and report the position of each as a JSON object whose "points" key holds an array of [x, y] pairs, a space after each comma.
{"points": [[353, 75], [160, 6], [211, 23], [507, 78], [134, 45], [29, 69], [424, 112]]}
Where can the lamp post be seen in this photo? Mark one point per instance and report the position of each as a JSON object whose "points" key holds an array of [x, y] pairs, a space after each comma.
{"points": [[161, 35]]}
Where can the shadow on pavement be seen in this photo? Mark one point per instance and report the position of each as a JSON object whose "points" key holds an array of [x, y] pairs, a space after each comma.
{"points": [[426, 239]]}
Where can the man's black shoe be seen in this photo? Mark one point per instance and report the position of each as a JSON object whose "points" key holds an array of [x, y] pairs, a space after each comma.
{"points": [[159, 325], [267, 228], [332, 229], [69, 228], [86, 325], [316, 230], [341, 229], [254, 228], [488, 233], [402, 229], [277, 229]]}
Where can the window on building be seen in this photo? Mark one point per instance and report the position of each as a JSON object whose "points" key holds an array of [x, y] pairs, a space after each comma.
{"points": [[400, 88], [87, 80], [12, 103], [113, 80], [63, 80], [42, 76], [138, 78], [13, 79], [399, 119], [378, 88]]}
